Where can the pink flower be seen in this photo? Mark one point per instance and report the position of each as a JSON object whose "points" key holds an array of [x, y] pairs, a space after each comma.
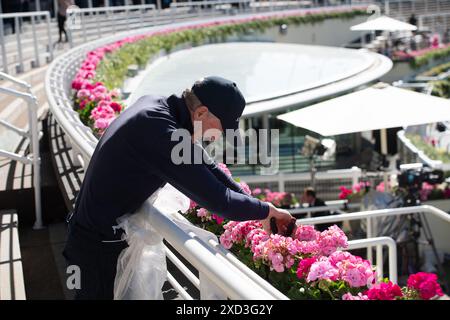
{"points": [[256, 192], [357, 275], [384, 291], [426, 284], [245, 187], [344, 192], [102, 111], [82, 104], [83, 94], [115, 93], [306, 233], [217, 218], [349, 296], [304, 267], [116, 106], [103, 123], [192, 204], [202, 213], [331, 239], [224, 168], [322, 270]]}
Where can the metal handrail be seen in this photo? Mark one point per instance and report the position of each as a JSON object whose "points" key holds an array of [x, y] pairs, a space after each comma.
{"points": [[378, 214], [379, 242], [33, 16], [204, 259], [33, 134], [114, 8]]}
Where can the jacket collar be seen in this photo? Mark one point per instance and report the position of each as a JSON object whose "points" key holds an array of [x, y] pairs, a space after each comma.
{"points": [[179, 110]]}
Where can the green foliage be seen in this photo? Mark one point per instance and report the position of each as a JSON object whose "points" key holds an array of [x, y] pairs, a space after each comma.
{"points": [[432, 152], [424, 59], [441, 88]]}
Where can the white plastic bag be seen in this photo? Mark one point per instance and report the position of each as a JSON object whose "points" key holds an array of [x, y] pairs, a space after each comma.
{"points": [[141, 268]]}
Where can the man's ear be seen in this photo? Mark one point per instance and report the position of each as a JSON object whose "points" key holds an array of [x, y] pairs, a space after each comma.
{"points": [[200, 113]]}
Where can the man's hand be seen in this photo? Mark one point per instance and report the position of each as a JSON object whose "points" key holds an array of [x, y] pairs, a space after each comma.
{"points": [[282, 219]]}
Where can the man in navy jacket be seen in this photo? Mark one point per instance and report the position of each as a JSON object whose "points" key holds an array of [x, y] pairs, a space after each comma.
{"points": [[134, 158]]}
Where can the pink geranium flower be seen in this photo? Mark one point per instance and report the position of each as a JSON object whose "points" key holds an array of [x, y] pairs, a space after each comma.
{"points": [[384, 291], [426, 284]]}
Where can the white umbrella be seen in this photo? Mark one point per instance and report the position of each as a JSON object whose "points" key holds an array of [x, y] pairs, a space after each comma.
{"points": [[383, 23], [378, 107]]}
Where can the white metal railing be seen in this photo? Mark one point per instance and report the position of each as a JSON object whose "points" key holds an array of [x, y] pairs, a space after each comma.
{"points": [[371, 216], [18, 25], [32, 133], [379, 243], [437, 21], [108, 19], [404, 8], [354, 174], [226, 278], [326, 183]]}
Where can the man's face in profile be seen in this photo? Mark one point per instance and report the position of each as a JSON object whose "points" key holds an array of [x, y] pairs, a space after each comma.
{"points": [[207, 127]]}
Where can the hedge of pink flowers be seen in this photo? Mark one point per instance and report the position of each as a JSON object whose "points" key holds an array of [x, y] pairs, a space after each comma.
{"points": [[418, 53], [309, 264], [98, 106]]}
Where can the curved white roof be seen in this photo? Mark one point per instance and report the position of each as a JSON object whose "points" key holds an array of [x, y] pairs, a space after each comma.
{"points": [[270, 75]]}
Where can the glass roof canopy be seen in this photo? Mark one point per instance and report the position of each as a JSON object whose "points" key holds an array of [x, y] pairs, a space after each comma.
{"points": [[263, 71]]}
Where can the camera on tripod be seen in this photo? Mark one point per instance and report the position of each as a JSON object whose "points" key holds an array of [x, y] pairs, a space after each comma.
{"points": [[413, 175]]}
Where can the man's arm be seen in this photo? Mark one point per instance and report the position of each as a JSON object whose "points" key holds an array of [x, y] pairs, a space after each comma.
{"points": [[197, 181], [220, 175]]}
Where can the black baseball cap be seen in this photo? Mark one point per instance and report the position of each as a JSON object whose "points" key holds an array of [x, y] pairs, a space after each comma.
{"points": [[223, 98]]}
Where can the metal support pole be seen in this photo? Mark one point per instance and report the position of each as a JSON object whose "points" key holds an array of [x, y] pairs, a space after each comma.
{"points": [[2, 40], [369, 235], [49, 36], [35, 44], [380, 261], [19, 45], [83, 25], [36, 163], [154, 12]]}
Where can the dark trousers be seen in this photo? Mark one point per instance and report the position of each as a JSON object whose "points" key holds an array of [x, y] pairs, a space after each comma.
{"points": [[96, 260], [61, 21]]}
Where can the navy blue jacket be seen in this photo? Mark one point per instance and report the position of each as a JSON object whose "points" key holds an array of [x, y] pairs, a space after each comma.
{"points": [[133, 159]]}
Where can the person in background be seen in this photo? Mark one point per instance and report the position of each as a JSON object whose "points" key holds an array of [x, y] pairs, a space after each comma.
{"points": [[413, 20], [62, 15], [309, 197]]}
